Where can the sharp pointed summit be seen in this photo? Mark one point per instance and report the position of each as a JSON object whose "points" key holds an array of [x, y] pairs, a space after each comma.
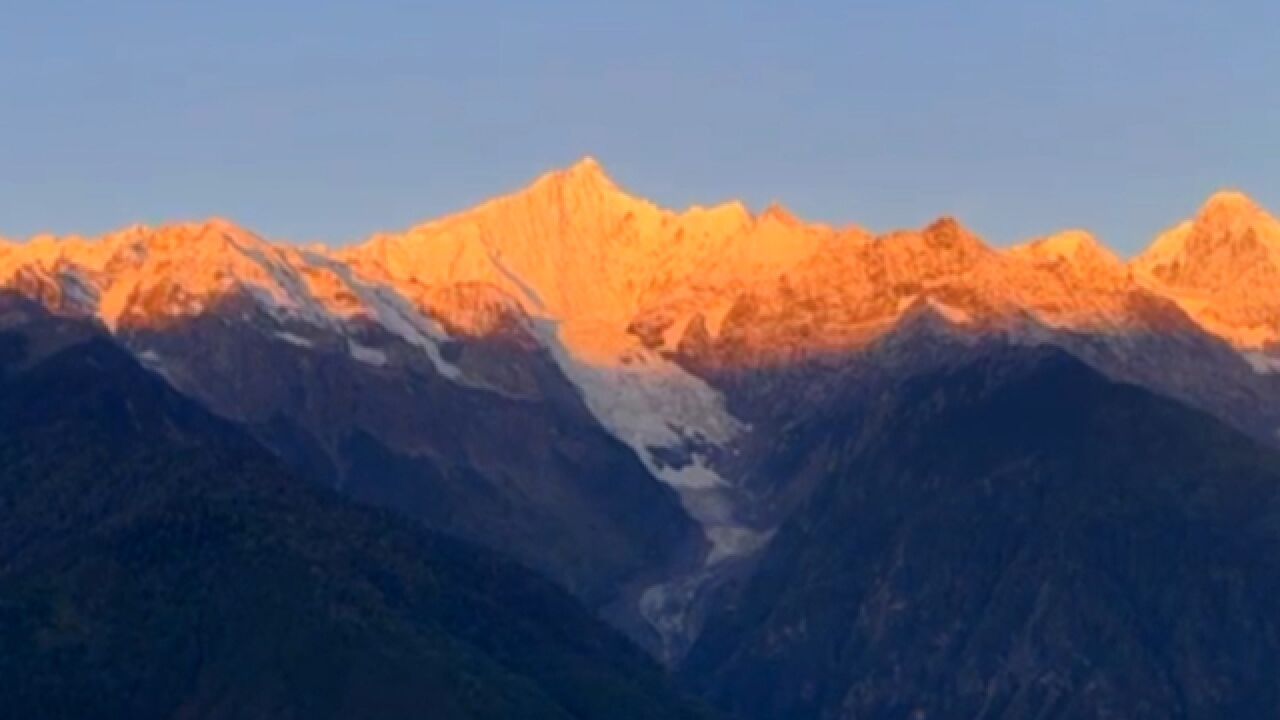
{"points": [[949, 230], [586, 175], [947, 236], [779, 213], [588, 164]]}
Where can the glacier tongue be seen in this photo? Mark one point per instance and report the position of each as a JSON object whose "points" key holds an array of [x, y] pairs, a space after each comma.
{"points": [[673, 420], [659, 410]]}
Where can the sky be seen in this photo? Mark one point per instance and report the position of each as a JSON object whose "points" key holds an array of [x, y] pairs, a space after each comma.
{"points": [[328, 121]]}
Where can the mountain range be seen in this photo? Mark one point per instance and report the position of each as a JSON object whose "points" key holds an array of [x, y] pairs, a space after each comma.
{"points": [[744, 440]]}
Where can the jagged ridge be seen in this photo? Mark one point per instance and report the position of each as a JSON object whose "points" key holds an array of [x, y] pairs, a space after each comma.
{"points": [[576, 248]]}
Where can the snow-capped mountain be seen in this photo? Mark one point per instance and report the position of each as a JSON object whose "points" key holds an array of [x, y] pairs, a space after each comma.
{"points": [[570, 372], [617, 275], [1223, 268]]}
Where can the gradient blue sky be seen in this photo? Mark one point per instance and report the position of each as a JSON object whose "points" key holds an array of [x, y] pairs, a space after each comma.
{"points": [[330, 120]]}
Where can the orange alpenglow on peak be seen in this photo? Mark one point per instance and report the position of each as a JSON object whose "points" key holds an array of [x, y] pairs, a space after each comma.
{"points": [[587, 173], [223, 225], [588, 165], [1230, 202], [1068, 243], [944, 240], [1229, 212], [204, 230], [1222, 267], [1074, 247], [575, 248], [1228, 226], [778, 213], [946, 225], [948, 232]]}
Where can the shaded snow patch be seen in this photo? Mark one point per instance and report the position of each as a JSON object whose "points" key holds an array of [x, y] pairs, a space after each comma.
{"points": [[366, 354], [1262, 363], [293, 339]]}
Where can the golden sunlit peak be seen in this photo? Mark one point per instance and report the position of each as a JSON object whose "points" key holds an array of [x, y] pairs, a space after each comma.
{"points": [[223, 225], [585, 183], [588, 163], [1230, 201], [1068, 242], [948, 230], [587, 171], [1075, 246], [778, 213], [945, 224], [222, 228]]}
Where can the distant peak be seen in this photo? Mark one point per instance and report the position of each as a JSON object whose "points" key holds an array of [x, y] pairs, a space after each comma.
{"points": [[1230, 203], [780, 214], [948, 231], [588, 164], [1069, 242], [213, 231], [1226, 238], [1073, 246], [945, 225], [586, 173], [222, 225]]}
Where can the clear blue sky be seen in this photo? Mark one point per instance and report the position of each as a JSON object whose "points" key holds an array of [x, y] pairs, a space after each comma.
{"points": [[326, 120]]}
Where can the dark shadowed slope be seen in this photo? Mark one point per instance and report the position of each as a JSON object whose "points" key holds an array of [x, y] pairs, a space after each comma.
{"points": [[156, 563], [1016, 538]]}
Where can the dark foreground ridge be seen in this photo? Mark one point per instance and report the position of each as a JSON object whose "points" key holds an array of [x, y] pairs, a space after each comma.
{"points": [[1017, 537], [155, 562]]}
